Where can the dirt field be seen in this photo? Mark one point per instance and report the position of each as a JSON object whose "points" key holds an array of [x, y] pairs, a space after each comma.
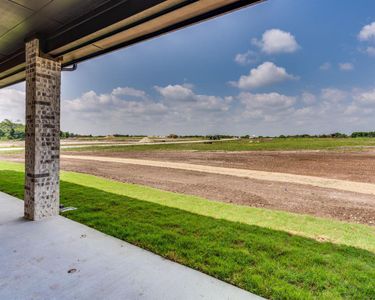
{"points": [[333, 203], [353, 166]]}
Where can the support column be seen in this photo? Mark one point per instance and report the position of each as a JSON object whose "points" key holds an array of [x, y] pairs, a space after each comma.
{"points": [[42, 149]]}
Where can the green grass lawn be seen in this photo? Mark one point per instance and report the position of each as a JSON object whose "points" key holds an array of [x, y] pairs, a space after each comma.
{"points": [[245, 246], [250, 145]]}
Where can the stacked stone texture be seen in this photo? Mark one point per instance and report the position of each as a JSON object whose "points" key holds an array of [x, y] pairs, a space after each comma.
{"points": [[43, 79]]}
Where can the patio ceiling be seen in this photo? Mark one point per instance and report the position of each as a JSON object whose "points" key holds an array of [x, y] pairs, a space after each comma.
{"points": [[76, 30]]}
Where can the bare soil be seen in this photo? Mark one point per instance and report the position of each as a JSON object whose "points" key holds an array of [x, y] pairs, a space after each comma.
{"points": [[304, 199], [354, 166]]}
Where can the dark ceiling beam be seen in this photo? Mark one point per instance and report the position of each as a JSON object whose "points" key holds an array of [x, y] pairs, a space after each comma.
{"points": [[197, 19], [12, 64], [101, 18], [111, 12], [51, 43]]}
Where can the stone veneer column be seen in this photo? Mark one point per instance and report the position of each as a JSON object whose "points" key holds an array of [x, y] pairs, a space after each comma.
{"points": [[43, 78]]}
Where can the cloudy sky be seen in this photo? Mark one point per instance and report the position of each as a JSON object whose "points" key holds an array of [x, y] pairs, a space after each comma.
{"points": [[280, 67]]}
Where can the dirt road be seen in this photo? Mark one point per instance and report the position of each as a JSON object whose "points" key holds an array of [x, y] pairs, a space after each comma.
{"points": [[19, 146], [353, 166], [331, 203], [343, 185]]}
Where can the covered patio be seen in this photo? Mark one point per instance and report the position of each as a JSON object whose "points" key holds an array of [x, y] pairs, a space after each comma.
{"points": [[56, 258], [41, 38]]}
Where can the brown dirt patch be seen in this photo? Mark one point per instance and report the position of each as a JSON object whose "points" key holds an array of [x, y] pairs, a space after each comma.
{"points": [[346, 206], [354, 166]]}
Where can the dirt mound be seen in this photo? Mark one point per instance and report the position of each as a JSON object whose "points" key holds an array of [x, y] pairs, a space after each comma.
{"points": [[146, 140]]}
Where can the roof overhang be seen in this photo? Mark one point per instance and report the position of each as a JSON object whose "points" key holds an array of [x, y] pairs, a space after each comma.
{"points": [[101, 27]]}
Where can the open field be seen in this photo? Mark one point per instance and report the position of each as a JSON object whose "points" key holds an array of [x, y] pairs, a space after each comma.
{"points": [[102, 140], [249, 247], [278, 239], [344, 185], [347, 201], [82, 144], [198, 144], [344, 165]]}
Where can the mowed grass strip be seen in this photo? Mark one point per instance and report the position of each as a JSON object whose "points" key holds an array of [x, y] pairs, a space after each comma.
{"points": [[320, 229], [273, 144], [268, 262]]}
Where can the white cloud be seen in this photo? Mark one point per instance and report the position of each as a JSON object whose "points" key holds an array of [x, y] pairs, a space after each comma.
{"points": [[308, 98], [178, 108], [277, 41], [333, 95], [184, 97], [12, 105], [118, 102], [366, 98], [263, 75], [249, 57], [330, 110], [176, 92], [264, 107], [370, 50], [128, 91], [367, 33], [346, 66], [326, 66], [272, 101], [127, 110]]}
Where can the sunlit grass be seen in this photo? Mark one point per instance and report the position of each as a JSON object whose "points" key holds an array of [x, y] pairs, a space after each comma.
{"points": [[245, 246]]}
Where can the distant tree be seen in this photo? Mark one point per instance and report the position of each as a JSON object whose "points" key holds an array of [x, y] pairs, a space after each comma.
{"points": [[16, 131], [363, 134], [65, 134], [338, 135], [10, 130], [213, 137]]}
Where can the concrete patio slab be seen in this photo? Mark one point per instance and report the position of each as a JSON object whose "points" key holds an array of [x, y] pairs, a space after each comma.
{"points": [[57, 258]]}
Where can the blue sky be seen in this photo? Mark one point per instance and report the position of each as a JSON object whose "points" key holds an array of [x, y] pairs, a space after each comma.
{"points": [[279, 67]]}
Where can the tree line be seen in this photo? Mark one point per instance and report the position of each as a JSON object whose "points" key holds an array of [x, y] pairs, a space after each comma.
{"points": [[11, 131], [333, 135], [16, 131]]}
